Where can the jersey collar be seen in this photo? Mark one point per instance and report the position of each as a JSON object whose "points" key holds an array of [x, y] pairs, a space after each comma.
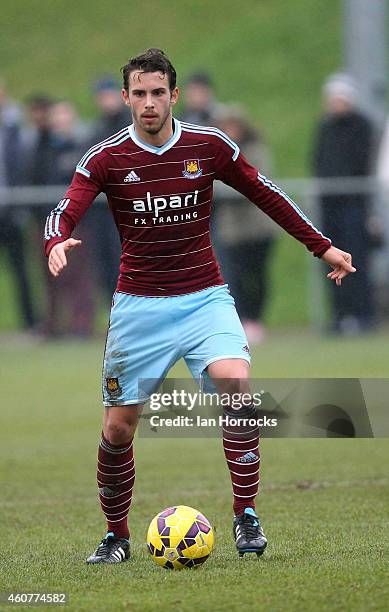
{"points": [[157, 150]]}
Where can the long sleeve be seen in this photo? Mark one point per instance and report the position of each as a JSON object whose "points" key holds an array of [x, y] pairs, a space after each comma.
{"points": [[246, 179], [62, 220]]}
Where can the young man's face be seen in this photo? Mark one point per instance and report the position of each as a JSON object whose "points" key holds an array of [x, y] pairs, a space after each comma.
{"points": [[150, 100]]}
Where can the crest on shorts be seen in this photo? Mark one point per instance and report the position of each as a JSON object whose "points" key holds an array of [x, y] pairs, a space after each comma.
{"points": [[192, 168], [113, 387]]}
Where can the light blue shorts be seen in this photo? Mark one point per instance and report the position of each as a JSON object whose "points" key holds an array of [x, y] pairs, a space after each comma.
{"points": [[148, 335]]}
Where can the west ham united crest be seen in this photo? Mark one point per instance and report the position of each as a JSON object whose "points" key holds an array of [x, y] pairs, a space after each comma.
{"points": [[192, 169], [113, 387]]}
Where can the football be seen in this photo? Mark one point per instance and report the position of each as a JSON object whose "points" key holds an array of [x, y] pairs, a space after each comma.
{"points": [[180, 537]]}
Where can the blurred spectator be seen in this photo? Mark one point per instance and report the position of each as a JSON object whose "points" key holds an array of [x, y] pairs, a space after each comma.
{"points": [[200, 106], [343, 147], [38, 170], [53, 145], [71, 297], [38, 146], [113, 116], [68, 140], [11, 218], [382, 221], [243, 236]]}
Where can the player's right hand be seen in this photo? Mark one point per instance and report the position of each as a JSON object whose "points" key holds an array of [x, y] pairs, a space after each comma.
{"points": [[57, 257]]}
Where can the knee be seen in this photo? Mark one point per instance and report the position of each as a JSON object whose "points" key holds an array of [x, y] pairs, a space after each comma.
{"points": [[229, 368], [235, 386], [118, 432], [239, 372], [230, 376]]}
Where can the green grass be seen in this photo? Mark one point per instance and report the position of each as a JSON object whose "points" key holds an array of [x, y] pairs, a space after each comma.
{"points": [[323, 502]]}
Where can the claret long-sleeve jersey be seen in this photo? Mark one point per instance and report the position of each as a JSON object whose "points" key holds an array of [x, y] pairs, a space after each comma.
{"points": [[161, 199]]}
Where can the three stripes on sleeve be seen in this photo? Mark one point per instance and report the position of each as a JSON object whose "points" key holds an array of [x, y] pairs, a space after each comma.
{"points": [[52, 221]]}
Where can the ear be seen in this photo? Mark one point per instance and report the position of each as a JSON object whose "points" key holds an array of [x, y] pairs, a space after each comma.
{"points": [[125, 97], [174, 96]]}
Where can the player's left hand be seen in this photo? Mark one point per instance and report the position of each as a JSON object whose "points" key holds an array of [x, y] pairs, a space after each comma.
{"points": [[340, 262]]}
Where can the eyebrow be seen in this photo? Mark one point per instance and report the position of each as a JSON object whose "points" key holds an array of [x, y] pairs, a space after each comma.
{"points": [[140, 89]]}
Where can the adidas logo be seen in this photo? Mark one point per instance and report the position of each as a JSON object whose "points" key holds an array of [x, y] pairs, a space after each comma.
{"points": [[118, 555], [248, 458], [131, 177]]}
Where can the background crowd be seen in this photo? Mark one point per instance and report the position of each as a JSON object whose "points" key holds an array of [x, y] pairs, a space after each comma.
{"points": [[41, 142]]}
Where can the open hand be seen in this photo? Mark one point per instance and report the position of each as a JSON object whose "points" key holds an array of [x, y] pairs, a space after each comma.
{"points": [[57, 257], [340, 262]]}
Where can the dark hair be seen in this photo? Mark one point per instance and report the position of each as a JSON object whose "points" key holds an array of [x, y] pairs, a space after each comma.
{"points": [[200, 78], [152, 60], [39, 100], [105, 83]]}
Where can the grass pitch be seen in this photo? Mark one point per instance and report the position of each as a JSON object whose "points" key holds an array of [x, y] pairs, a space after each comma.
{"points": [[323, 502]]}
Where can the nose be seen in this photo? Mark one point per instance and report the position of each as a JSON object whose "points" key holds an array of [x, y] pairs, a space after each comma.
{"points": [[149, 101]]}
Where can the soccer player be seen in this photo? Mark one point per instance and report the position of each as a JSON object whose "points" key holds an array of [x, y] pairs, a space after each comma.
{"points": [[170, 301]]}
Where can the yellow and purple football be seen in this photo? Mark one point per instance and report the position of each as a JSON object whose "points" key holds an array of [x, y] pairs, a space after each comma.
{"points": [[180, 537]]}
